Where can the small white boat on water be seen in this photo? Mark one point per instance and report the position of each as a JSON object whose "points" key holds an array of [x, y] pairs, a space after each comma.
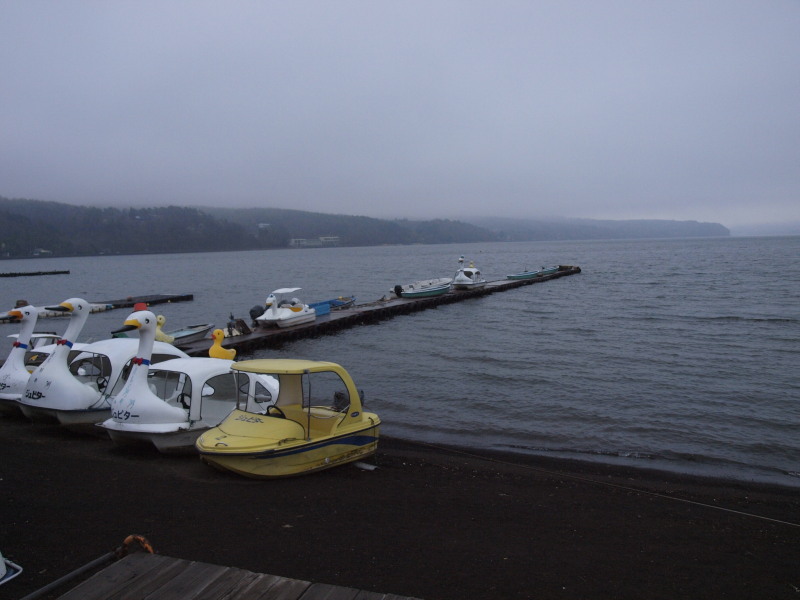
{"points": [[468, 278], [285, 312], [422, 289], [534, 274], [190, 334]]}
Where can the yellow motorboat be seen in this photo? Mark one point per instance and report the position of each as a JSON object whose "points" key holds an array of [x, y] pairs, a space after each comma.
{"points": [[316, 422]]}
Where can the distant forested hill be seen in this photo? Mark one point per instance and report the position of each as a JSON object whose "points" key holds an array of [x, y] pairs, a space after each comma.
{"points": [[591, 229], [35, 227]]}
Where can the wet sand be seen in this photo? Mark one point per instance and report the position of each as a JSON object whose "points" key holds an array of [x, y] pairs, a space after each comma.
{"points": [[428, 522]]}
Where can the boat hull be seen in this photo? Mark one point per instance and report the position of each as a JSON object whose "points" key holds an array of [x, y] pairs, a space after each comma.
{"points": [[469, 286], [533, 274], [426, 293], [82, 421], [9, 406], [38, 414], [300, 458], [282, 322], [191, 334], [174, 442]]}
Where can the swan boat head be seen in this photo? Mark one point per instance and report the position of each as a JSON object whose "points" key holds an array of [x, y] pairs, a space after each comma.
{"points": [[13, 374]]}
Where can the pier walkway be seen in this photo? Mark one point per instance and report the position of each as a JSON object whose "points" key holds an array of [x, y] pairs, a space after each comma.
{"points": [[362, 314]]}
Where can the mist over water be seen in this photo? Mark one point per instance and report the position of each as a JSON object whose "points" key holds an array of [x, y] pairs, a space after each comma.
{"points": [[676, 354]]}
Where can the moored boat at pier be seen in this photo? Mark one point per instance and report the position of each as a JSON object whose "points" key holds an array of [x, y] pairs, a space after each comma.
{"points": [[284, 312], [532, 274], [423, 289], [468, 278]]}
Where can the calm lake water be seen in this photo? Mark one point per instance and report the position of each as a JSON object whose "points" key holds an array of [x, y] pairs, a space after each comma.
{"points": [[676, 354]]}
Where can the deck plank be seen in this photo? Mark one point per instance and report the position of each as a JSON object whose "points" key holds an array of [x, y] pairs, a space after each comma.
{"points": [[228, 585], [145, 585], [156, 577], [190, 582], [118, 575], [325, 591]]}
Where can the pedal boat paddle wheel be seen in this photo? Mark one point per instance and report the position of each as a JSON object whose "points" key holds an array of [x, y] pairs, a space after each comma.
{"points": [[316, 422]]}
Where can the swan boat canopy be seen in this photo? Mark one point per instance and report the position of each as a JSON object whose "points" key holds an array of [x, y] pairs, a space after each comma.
{"points": [[180, 399], [423, 288], [316, 422], [467, 278], [283, 312], [533, 274]]}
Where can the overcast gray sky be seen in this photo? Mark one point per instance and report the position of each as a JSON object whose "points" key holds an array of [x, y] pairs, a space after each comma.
{"points": [[619, 109]]}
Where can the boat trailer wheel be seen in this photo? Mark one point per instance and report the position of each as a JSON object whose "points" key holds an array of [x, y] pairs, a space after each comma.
{"points": [[272, 407]]}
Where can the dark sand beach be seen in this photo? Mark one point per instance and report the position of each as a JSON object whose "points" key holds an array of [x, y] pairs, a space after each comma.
{"points": [[433, 523]]}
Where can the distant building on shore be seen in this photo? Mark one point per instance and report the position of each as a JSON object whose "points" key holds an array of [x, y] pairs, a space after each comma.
{"points": [[320, 242]]}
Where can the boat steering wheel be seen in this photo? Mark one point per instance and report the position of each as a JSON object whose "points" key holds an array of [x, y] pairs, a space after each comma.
{"points": [[272, 407], [184, 400], [101, 382]]}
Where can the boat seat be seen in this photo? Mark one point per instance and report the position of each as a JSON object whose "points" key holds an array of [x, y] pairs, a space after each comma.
{"points": [[322, 421]]}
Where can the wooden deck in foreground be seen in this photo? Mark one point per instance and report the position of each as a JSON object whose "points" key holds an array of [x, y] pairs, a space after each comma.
{"points": [[157, 577]]}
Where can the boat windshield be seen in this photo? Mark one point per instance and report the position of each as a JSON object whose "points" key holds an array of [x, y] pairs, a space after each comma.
{"points": [[173, 387], [252, 393], [92, 369], [126, 371], [218, 397], [325, 389]]}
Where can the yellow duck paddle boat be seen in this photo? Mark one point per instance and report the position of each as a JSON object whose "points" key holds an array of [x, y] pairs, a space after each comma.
{"points": [[315, 423]]}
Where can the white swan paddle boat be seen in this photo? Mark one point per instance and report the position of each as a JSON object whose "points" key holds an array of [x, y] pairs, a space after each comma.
{"points": [[73, 391], [316, 422], [423, 288], [468, 278], [14, 373], [39, 390], [102, 365], [177, 400], [169, 404], [283, 312]]}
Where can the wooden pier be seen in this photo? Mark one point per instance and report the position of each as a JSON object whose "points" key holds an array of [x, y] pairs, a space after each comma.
{"points": [[34, 273], [157, 577], [153, 299], [362, 314]]}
